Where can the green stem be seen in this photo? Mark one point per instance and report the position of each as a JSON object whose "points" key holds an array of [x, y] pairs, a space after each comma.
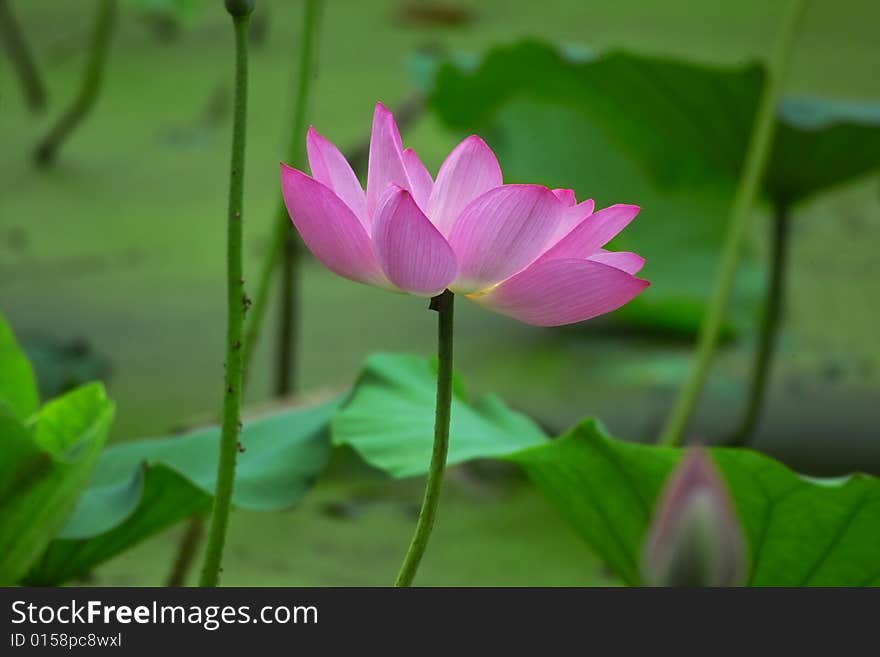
{"points": [[47, 150], [755, 164], [769, 327], [236, 302], [444, 305], [287, 329], [288, 316], [21, 58]]}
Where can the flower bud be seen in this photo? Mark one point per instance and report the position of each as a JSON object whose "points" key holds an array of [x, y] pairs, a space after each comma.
{"points": [[239, 7], [695, 538]]}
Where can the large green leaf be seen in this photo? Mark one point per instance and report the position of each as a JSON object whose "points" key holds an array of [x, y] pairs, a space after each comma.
{"points": [[144, 486], [18, 387], [389, 420], [571, 151], [667, 135], [801, 531], [45, 465], [155, 498], [548, 133], [685, 122], [821, 143]]}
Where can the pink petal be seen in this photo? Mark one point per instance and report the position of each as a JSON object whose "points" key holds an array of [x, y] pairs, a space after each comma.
{"points": [[329, 228], [594, 232], [330, 168], [421, 180], [412, 252], [565, 195], [574, 215], [502, 232], [626, 261], [386, 158], [470, 170], [556, 292]]}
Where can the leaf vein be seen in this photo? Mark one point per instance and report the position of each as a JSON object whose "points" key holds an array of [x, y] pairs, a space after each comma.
{"points": [[838, 537]]}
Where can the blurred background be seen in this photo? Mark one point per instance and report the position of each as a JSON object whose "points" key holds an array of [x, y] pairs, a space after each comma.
{"points": [[112, 261]]}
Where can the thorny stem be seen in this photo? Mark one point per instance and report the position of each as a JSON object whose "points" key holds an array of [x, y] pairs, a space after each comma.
{"points": [[753, 170], [443, 304], [235, 301], [47, 150]]}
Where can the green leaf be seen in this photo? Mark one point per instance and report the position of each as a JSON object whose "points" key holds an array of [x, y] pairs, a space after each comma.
{"points": [[156, 497], [18, 387], [821, 143], [22, 460], [686, 123], [674, 303], [142, 487], [667, 135], [45, 466], [550, 133], [800, 531], [389, 420], [681, 121]]}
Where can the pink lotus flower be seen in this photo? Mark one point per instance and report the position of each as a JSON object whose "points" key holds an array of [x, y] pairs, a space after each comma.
{"points": [[525, 251]]}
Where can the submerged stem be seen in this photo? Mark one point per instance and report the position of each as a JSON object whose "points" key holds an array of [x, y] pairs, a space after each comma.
{"points": [[22, 60], [187, 549], [753, 170], [443, 304], [769, 328], [288, 317], [235, 301], [47, 149]]}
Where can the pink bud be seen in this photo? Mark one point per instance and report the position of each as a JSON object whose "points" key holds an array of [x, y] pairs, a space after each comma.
{"points": [[695, 538]]}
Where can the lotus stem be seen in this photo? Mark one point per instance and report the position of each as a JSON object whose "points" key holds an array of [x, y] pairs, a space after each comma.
{"points": [[187, 550], [444, 305], [288, 318], [236, 302], [22, 59], [47, 150], [769, 328], [756, 160]]}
